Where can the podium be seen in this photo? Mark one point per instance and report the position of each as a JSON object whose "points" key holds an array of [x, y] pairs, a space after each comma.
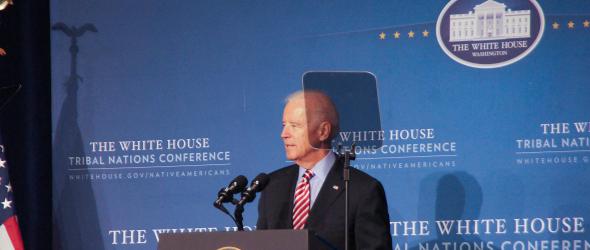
{"points": [[252, 240]]}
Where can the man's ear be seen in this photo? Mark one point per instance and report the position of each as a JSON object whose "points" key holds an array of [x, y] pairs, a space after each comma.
{"points": [[324, 131]]}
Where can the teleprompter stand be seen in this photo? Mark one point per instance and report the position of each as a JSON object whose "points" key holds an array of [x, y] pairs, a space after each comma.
{"points": [[347, 155]]}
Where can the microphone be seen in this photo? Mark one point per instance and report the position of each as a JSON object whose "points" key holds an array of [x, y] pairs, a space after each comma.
{"points": [[257, 185], [237, 185]]}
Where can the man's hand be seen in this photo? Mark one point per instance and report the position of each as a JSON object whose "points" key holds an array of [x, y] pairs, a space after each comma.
{"points": [[2, 52]]}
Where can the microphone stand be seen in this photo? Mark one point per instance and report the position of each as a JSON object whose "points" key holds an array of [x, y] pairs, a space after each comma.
{"points": [[348, 156], [234, 218], [247, 196], [239, 218]]}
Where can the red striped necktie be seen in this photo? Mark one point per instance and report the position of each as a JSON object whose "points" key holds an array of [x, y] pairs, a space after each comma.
{"points": [[302, 201]]}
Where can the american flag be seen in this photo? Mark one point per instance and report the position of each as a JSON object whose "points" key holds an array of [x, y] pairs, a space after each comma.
{"points": [[9, 232]]}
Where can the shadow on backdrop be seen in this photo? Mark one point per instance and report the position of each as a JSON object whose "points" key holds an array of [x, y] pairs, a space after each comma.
{"points": [[458, 197], [76, 223]]}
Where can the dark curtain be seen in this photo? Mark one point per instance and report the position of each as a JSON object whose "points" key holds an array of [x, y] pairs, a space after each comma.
{"points": [[25, 121]]}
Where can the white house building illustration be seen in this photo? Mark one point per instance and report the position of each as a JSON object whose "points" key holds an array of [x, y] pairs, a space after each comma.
{"points": [[490, 20]]}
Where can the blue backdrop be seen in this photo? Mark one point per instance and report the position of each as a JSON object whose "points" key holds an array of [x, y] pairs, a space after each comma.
{"points": [[158, 104]]}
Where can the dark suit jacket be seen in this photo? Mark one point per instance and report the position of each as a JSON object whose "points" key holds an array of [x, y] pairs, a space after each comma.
{"points": [[368, 214]]}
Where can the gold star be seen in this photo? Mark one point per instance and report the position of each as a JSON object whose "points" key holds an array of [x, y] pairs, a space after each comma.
{"points": [[570, 25], [381, 36], [396, 35], [411, 34], [425, 33], [555, 25], [586, 24]]}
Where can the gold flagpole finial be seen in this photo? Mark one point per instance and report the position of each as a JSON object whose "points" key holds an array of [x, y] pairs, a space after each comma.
{"points": [[5, 3]]}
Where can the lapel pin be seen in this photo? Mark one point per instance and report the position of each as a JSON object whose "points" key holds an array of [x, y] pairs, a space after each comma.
{"points": [[335, 187]]}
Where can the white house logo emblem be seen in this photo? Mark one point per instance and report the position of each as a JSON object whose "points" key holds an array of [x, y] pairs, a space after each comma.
{"points": [[489, 34]]}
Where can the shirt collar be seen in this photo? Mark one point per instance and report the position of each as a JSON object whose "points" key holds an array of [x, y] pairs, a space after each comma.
{"points": [[322, 167]]}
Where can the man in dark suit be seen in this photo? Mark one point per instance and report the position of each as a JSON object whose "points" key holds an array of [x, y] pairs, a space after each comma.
{"points": [[309, 194]]}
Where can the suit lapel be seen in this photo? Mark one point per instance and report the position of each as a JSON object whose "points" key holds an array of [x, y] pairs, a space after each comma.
{"points": [[291, 185], [331, 189]]}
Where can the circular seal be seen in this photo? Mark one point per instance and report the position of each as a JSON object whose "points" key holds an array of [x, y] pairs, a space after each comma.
{"points": [[228, 248], [489, 33]]}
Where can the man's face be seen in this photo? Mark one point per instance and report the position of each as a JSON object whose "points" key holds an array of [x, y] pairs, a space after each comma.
{"points": [[295, 134]]}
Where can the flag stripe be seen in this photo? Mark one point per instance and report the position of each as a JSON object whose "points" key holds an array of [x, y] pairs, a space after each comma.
{"points": [[5, 241], [10, 237], [11, 226]]}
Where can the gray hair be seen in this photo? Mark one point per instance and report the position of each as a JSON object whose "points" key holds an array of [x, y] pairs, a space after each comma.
{"points": [[321, 106]]}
